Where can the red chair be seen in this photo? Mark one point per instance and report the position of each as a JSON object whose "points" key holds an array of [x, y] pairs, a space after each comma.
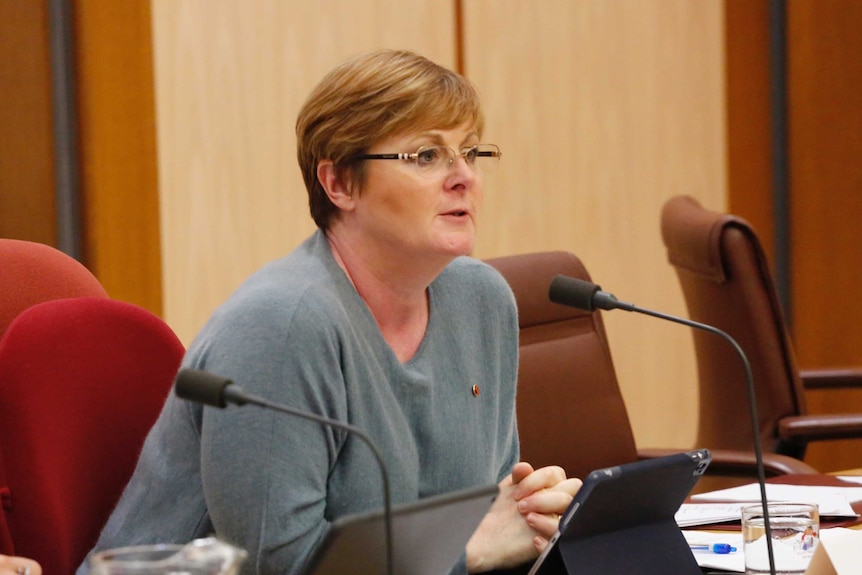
{"points": [[82, 380], [31, 273]]}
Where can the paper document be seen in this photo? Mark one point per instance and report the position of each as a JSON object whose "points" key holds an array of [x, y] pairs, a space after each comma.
{"points": [[734, 562], [838, 553], [693, 514], [832, 501], [851, 478]]}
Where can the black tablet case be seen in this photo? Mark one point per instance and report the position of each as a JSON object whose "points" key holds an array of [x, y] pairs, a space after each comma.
{"points": [[622, 521], [429, 536]]}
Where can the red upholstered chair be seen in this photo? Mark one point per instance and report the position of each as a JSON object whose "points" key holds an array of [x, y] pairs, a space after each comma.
{"points": [[571, 411], [31, 273], [727, 283], [82, 380]]}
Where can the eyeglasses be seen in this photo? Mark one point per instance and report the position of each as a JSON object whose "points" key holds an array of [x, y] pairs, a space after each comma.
{"points": [[433, 161]]}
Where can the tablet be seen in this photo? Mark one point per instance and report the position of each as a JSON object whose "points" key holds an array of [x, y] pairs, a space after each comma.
{"points": [[429, 536], [622, 520]]}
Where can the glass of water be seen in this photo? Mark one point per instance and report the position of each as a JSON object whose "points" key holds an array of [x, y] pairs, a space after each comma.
{"points": [[795, 531], [207, 556]]}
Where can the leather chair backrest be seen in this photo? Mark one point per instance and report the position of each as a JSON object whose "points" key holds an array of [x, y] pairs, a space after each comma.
{"points": [[726, 282], [82, 380], [31, 273], [570, 408]]}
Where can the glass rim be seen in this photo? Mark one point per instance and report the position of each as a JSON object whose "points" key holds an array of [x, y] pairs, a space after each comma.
{"points": [[117, 554], [757, 508]]}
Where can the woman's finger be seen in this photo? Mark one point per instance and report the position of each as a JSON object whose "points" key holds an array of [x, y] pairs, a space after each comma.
{"points": [[542, 478]]}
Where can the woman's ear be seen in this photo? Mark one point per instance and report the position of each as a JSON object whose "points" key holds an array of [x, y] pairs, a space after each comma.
{"points": [[337, 188]]}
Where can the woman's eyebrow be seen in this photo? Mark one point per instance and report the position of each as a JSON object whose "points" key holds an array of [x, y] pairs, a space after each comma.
{"points": [[436, 138]]}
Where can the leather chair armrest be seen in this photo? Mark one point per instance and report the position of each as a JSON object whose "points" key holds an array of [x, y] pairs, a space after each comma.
{"points": [[813, 427], [831, 378], [732, 463]]}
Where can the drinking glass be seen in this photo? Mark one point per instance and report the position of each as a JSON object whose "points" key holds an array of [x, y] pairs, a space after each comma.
{"points": [[200, 557], [795, 531]]}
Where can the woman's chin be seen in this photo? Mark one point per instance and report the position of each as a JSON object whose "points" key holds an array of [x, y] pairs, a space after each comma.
{"points": [[458, 243]]}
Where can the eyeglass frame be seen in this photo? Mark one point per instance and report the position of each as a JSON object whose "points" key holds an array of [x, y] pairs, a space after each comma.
{"points": [[414, 156]]}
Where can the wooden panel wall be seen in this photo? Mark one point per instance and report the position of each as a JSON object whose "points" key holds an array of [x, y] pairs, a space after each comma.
{"points": [[824, 122], [26, 141], [116, 123], [118, 171], [602, 112], [749, 154], [231, 77], [825, 131]]}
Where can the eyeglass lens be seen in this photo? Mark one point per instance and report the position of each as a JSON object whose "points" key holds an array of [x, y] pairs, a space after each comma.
{"points": [[437, 159]]}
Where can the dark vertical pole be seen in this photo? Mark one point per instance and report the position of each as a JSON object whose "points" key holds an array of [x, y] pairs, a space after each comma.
{"points": [[780, 171], [66, 180]]}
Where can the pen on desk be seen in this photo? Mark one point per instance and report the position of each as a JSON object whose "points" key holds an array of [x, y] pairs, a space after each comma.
{"points": [[720, 548]]}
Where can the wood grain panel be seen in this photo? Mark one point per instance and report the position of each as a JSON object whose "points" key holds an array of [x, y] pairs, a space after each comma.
{"points": [[749, 153], [603, 111], [825, 83], [118, 148], [230, 79], [26, 140]]}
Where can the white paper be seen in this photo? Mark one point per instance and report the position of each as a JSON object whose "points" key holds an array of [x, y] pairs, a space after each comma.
{"points": [[734, 561], [832, 501], [851, 478], [843, 548], [693, 514]]}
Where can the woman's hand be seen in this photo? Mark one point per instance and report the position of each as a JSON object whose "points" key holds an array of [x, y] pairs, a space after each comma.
{"points": [[522, 518], [10, 565], [543, 495]]}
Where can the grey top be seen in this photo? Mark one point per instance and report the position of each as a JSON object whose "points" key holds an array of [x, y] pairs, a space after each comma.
{"points": [[297, 332]]}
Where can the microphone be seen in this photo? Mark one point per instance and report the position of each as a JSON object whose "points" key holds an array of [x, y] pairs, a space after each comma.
{"points": [[588, 296], [217, 391]]}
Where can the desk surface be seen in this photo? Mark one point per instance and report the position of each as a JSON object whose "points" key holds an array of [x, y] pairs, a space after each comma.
{"points": [[857, 526]]}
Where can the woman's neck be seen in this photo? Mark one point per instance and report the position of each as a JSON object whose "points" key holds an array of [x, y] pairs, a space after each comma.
{"points": [[395, 292]]}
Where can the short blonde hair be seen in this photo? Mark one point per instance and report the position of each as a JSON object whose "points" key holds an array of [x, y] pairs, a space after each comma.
{"points": [[370, 98]]}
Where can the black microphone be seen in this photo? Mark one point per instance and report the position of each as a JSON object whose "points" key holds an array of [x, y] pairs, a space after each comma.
{"points": [[217, 391], [588, 296]]}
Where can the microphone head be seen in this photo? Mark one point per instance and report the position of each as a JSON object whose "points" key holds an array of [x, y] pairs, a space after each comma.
{"points": [[202, 387], [573, 292]]}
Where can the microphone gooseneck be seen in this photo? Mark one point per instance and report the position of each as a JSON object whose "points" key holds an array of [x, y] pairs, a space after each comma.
{"points": [[216, 391], [588, 296]]}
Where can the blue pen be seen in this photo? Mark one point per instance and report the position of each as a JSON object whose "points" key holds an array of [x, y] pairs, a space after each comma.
{"points": [[720, 548]]}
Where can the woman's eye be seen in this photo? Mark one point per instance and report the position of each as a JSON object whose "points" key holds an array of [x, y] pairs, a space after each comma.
{"points": [[428, 156]]}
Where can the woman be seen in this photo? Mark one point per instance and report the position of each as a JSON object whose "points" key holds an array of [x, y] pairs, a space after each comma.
{"points": [[378, 319]]}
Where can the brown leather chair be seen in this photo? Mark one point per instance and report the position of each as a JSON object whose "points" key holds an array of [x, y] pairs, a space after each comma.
{"points": [[726, 282], [571, 411]]}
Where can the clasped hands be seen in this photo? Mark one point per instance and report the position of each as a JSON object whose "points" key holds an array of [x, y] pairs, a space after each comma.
{"points": [[522, 519]]}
